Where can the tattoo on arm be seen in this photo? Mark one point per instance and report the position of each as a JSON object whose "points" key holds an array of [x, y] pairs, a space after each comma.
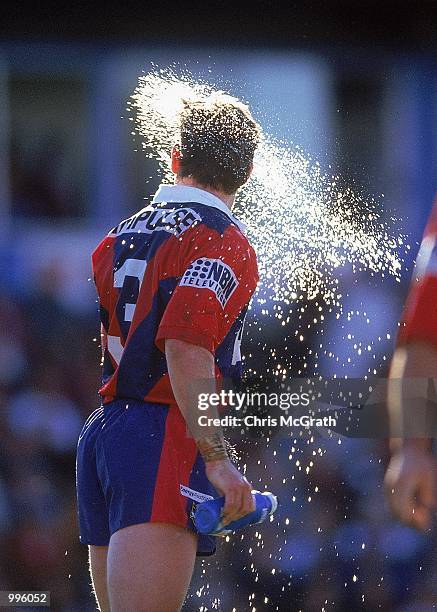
{"points": [[212, 448]]}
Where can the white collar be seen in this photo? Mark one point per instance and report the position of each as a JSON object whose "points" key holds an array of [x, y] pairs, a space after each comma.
{"points": [[185, 193]]}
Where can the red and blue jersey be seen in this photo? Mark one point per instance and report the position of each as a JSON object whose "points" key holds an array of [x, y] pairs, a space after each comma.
{"points": [[419, 320], [179, 268]]}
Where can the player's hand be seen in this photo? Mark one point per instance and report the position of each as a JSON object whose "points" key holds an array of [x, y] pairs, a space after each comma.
{"points": [[410, 483], [229, 482]]}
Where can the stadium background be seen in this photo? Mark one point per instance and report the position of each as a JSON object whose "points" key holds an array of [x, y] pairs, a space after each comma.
{"points": [[355, 88]]}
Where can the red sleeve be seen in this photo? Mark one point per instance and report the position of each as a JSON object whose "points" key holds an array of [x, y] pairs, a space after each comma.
{"points": [[419, 320], [218, 279]]}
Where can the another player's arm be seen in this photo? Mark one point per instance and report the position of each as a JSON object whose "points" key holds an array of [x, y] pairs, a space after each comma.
{"points": [[410, 477], [188, 363]]}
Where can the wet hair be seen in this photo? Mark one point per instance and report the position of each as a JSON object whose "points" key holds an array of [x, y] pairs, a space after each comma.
{"points": [[218, 138]]}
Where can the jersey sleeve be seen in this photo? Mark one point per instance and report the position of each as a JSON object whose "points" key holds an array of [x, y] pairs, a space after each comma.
{"points": [[419, 319], [218, 277]]}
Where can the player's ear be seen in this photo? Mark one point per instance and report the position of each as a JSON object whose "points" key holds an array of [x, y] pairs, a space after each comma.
{"points": [[176, 159]]}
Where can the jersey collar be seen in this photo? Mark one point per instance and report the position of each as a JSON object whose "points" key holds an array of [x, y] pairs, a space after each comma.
{"points": [[184, 193]]}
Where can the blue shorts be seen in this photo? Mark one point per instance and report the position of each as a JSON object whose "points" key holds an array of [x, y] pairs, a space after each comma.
{"points": [[133, 460]]}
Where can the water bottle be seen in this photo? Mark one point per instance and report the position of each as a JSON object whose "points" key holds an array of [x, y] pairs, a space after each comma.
{"points": [[207, 517]]}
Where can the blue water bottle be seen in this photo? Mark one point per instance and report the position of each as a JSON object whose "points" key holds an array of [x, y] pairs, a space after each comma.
{"points": [[207, 517]]}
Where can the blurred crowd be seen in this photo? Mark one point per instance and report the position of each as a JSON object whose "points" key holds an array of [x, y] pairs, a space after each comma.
{"points": [[48, 382], [332, 544]]}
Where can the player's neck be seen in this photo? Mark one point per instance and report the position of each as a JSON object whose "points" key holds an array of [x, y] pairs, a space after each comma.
{"points": [[190, 182]]}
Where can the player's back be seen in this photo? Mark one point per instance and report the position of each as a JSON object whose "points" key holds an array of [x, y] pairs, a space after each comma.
{"points": [[137, 268]]}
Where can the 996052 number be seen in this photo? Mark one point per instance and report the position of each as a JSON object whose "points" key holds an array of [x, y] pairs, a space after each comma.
{"points": [[24, 598]]}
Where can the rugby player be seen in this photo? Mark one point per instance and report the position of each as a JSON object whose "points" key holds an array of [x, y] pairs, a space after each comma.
{"points": [[174, 282], [411, 475]]}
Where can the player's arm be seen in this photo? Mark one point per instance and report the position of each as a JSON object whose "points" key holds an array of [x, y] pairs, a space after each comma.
{"points": [[188, 363], [410, 477], [411, 474], [218, 275]]}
